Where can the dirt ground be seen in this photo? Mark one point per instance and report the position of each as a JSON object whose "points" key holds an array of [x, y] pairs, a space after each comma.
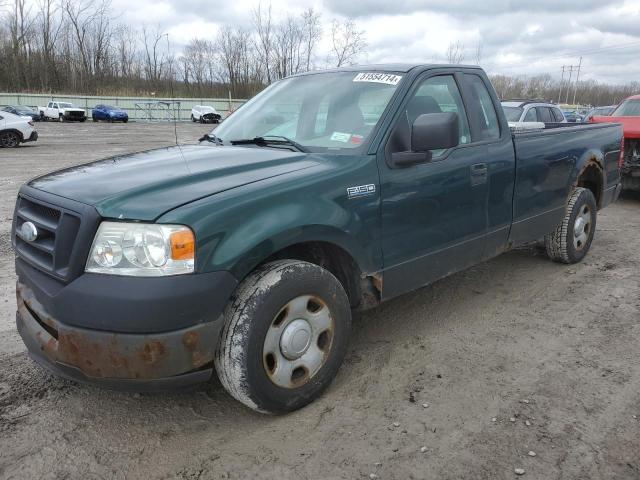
{"points": [[514, 355]]}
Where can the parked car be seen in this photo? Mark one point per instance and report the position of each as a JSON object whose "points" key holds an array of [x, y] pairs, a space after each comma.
{"points": [[627, 114], [599, 112], [572, 117], [247, 253], [109, 113], [205, 114], [15, 130], [62, 111], [525, 111], [23, 111]]}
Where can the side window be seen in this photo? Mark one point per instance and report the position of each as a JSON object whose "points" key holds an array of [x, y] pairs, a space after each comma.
{"points": [[531, 116], [558, 114], [50, 105], [436, 95], [487, 119], [55, 105], [544, 114]]}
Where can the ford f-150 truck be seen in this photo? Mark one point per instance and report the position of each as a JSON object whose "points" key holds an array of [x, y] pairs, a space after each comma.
{"points": [[628, 115], [327, 192]]}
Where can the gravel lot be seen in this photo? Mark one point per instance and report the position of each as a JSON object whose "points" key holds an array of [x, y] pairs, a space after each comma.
{"points": [[515, 355]]}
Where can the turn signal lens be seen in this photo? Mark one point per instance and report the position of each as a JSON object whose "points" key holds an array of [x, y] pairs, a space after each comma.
{"points": [[182, 245]]}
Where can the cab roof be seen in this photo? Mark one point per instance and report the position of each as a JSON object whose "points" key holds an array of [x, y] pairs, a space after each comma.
{"points": [[389, 67]]}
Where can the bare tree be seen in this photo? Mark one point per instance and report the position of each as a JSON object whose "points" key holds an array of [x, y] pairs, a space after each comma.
{"points": [[347, 42], [262, 22], [154, 55], [455, 53], [478, 52], [312, 32]]}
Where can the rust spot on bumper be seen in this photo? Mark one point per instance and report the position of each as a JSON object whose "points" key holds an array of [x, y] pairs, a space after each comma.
{"points": [[101, 354]]}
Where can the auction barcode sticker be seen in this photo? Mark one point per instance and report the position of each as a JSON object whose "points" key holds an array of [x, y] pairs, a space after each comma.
{"points": [[378, 77]]}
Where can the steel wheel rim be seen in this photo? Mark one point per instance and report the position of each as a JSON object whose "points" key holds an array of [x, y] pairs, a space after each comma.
{"points": [[290, 359], [582, 228]]}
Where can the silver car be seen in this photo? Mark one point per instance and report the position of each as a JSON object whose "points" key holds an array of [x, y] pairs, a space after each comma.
{"points": [[519, 111]]}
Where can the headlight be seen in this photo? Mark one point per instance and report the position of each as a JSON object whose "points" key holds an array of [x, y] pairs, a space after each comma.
{"points": [[142, 249]]}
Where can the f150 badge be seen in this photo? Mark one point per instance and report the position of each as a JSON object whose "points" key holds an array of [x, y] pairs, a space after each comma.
{"points": [[361, 191]]}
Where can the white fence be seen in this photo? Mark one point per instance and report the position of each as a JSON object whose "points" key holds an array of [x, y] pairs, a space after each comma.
{"points": [[138, 108]]}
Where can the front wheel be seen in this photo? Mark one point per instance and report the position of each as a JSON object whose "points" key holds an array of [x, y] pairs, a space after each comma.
{"points": [[9, 139], [285, 336], [571, 240], [61, 118]]}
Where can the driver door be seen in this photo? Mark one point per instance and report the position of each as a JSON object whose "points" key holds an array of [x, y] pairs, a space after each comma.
{"points": [[434, 214]]}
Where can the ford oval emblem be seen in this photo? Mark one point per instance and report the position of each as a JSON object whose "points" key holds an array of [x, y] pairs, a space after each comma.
{"points": [[28, 232]]}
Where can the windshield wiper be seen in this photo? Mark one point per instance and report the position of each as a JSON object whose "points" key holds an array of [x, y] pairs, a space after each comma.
{"points": [[210, 137], [268, 140]]}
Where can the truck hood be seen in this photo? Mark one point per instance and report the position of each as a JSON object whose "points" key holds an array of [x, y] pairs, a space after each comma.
{"points": [[145, 185], [71, 109], [630, 125]]}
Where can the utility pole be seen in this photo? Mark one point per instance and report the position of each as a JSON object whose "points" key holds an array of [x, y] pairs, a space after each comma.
{"points": [[566, 100], [575, 91], [561, 81]]}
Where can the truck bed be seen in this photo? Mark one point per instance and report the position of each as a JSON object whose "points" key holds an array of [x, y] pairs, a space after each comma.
{"points": [[546, 170]]}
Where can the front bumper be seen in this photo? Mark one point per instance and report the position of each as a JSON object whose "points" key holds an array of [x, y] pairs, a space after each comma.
{"points": [[32, 138], [146, 356]]}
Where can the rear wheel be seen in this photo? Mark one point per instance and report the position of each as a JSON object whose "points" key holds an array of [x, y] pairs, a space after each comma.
{"points": [[9, 139], [571, 240], [285, 336]]}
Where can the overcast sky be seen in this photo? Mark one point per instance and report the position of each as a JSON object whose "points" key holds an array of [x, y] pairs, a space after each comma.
{"points": [[517, 37]]}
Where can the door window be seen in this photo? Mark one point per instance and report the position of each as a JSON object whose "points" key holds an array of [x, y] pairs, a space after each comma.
{"points": [[531, 116], [544, 114], [487, 119], [558, 114], [437, 95]]}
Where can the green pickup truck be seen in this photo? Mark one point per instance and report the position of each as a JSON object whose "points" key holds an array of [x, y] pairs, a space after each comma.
{"points": [[327, 192]]}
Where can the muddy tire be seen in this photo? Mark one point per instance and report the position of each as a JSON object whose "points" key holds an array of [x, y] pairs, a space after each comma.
{"points": [[285, 335], [571, 240]]}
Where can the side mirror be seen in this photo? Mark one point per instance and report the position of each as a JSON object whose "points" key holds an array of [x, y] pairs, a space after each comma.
{"points": [[435, 131], [431, 131]]}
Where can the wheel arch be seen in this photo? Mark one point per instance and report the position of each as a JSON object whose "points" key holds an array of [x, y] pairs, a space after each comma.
{"points": [[590, 175], [324, 246], [13, 130]]}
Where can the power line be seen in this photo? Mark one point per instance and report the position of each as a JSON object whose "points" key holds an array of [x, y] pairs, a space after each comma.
{"points": [[593, 51]]}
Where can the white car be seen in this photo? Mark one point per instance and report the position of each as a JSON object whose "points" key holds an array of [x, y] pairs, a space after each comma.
{"points": [[527, 111], [15, 130], [62, 111], [205, 114]]}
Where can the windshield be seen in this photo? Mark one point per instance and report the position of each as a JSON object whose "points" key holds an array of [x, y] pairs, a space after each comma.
{"points": [[65, 105], [336, 110], [628, 108], [22, 109], [109, 107], [512, 113]]}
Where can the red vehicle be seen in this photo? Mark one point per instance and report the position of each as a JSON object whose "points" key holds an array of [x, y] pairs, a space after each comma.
{"points": [[628, 114]]}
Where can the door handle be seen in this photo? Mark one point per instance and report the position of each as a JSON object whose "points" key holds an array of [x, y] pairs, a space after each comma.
{"points": [[478, 173]]}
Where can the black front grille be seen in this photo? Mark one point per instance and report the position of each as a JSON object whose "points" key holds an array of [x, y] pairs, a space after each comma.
{"points": [[57, 231]]}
